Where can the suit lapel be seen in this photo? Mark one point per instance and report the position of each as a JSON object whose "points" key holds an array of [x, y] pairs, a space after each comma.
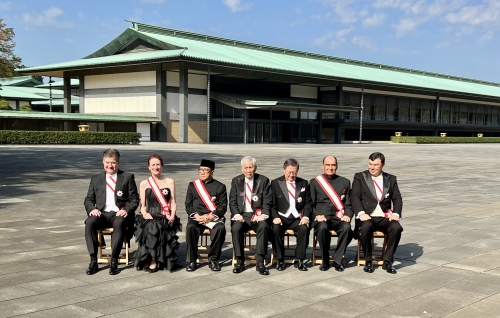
{"points": [[387, 182], [102, 186], [241, 188], [283, 187], [298, 187], [369, 183]]}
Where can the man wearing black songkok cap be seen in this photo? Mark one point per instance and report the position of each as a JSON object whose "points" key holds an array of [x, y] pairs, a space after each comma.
{"points": [[206, 204]]}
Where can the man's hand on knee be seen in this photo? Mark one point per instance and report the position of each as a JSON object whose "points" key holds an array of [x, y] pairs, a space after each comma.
{"points": [[364, 217], [95, 212], [122, 213]]}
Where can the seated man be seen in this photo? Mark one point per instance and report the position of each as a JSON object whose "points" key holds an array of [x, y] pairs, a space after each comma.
{"points": [[206, 204], [111, 201], [291, 209], [250, 203], [331, 209], [373, 191]]}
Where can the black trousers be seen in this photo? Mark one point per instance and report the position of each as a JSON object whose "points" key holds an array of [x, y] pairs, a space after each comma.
{"points": [[344, 233], [105, 220], [238, 230], [392, 229], [217, 237], [301, 233]]}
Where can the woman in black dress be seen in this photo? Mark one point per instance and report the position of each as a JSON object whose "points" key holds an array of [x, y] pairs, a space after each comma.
{"points": [[157, 225]]}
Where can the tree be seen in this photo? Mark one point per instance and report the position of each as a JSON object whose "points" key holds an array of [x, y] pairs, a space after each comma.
{"points": [[37, 77], [25, 108], [4, 105], [8, 60]]}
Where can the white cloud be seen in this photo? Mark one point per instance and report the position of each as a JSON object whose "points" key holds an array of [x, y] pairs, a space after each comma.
{"points": [[364, 43], [153, 1], [406, 26], [375, 20], [333, 39], [236, 5], [345, 12], [69, 41], [443, 45], [487, 37], [5, 5], [476, 15], [49, 17]]}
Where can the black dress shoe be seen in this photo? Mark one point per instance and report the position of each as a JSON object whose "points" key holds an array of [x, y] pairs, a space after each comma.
{"points": [[93, 268], [389, 268], [113, 268], [214, 266], [324, 267], [191, 267], [338, 267], [261, 269], [368, 268], [280, 266], [152, 270], [238, 267], [301, 266], [139, 267]]}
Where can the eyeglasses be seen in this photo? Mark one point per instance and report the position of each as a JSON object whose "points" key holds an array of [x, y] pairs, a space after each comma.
{"points": [[291, 173], [204, 170]]}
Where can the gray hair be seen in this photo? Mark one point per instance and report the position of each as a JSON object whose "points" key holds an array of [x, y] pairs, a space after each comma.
{"points": [[291, 162], [111, 153], [249, 158]]}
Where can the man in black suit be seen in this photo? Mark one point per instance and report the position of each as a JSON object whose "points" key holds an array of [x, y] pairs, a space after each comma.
{"points": [[331, 206], [206, 204], [373, 191], [250, 206], [111, 201], [291, 209]]}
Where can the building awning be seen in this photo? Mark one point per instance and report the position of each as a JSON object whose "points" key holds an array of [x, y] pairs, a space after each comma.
{"points": [[260, 102], [4, 114]]}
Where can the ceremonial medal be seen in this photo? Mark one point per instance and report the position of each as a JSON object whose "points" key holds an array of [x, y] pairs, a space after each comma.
{"points": [[299, 199], [164, 191], [119, 193], [255, 198]]}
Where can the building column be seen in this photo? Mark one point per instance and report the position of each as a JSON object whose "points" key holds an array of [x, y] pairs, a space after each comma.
{"points": [[67, 94], [319, 130], [438, 104], [338, 134], [183, 102], [18, 107], [161, 103], [245, 126], [81, 94]]}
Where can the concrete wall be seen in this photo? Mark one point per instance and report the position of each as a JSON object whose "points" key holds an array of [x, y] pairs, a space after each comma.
{"points": [[197, 131], [304, 91], [145, 130]]}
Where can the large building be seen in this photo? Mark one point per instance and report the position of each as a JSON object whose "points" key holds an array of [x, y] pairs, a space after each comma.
{"points": [[199, 88]]}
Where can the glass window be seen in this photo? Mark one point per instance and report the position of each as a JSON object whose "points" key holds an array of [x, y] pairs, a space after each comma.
{"points": [[294, 114], [354, 99], [227, 111], [404, 109], [444, 109], [217, 109], [455, 113], [415, 110], [426, 110]]}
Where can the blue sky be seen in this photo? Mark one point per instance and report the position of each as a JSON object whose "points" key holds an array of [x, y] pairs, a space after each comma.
{"points": [[456, 37]]}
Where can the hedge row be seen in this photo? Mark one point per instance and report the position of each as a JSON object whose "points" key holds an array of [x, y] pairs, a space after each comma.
{"points": [[67, 137], [443, 140]]}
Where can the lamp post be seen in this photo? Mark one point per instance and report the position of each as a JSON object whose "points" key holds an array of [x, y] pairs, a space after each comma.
{"points": [[50, 93]]}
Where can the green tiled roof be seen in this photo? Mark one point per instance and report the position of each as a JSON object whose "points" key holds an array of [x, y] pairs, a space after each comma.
{"points": [[21, 93], [175, 44], [18, 80], [74, 116]]}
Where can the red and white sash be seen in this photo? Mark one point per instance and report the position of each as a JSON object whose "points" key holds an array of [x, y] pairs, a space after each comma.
{"points": [[165, 205], [204, 195], [111, 185], [389, 211], [332, 194]]}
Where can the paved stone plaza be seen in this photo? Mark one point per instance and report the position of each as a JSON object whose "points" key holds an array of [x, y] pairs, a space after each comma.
{"points": [[448, 260]]}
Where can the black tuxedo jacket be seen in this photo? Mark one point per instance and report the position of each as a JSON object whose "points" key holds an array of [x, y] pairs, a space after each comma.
{"points": [[321, 203], [261, 191], [125, 182], [216, 189], [364, 196], [280, 202]]}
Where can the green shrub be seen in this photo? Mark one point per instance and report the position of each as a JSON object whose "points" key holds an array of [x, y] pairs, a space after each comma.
{"points": [[443, 140], [67, 137], [25, 108], [4, 105]]}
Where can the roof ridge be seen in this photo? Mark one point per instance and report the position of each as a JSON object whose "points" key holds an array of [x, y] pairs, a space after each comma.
{"points": [[147, 28]]}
